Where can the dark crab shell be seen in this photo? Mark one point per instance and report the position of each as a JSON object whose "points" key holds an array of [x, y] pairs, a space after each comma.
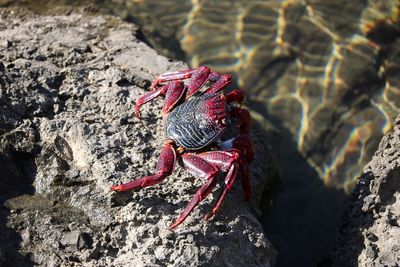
{"points": [[192, 124]]}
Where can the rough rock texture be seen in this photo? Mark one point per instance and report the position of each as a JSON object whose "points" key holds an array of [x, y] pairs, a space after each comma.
{"points": [[68, 133], [371, 233], [325, 73]]}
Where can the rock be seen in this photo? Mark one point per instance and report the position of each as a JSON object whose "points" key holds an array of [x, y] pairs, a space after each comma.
{"points": [[371, 230], [68, 85], [7, 43]]}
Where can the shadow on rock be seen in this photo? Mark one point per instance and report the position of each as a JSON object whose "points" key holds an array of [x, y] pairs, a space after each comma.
{"points": [[17, 172], [343, 254]]}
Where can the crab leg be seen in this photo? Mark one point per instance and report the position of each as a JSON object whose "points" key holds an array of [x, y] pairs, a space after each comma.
{"points": [[198, 77], [200, 169], [148, 97], [243, 144], [170, 76], [225, 161], [235, 96], [173, 91], [165, 166], [243, 119], [245, 178], [220, 84]]}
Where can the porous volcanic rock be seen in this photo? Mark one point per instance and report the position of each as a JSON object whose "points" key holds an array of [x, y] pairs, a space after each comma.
{"points": [[68, 84], [370, 235]]}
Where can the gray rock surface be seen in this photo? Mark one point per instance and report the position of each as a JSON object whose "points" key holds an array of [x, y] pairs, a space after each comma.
{"points": [[370, 235], [68, 84]]}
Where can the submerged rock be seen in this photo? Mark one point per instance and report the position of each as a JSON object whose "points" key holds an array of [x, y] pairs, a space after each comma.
{"points": [[371, 230], [68, 84]]}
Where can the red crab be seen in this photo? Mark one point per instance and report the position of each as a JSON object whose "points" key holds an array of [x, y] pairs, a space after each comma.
{"points": [[197, 114]]}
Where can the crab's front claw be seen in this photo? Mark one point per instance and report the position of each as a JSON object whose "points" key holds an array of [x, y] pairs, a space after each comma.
{"points": [[244, 144]]}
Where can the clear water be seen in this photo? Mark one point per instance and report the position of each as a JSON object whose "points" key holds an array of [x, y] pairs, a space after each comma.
{"points": [[323, 85]]}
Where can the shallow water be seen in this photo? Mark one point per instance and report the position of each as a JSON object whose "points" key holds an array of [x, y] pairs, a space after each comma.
{"points": [[323, 83]]}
